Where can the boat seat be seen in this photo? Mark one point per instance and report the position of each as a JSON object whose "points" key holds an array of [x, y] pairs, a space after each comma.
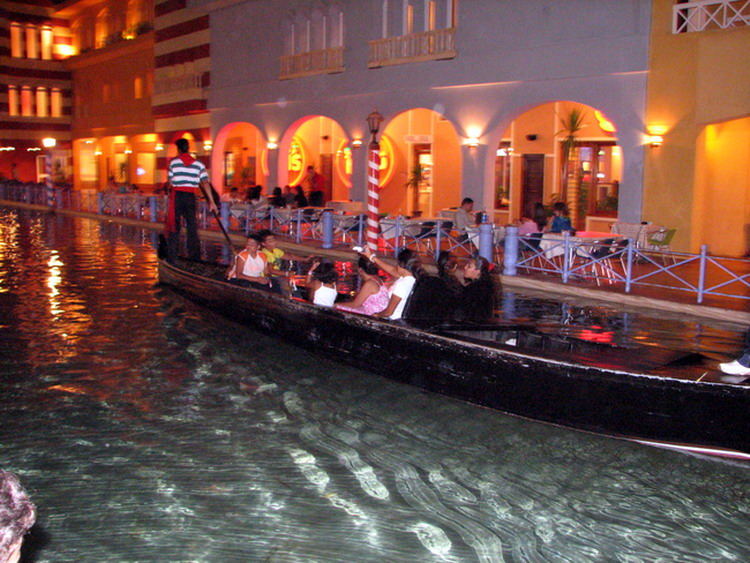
{"points": [[430, 301]]}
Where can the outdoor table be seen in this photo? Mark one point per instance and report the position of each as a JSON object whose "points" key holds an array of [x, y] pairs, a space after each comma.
{"points": [[552, 246]]}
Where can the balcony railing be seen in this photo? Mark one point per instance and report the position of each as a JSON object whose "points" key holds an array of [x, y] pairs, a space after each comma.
{"points": [[179, 83], [702, 15], [415, 47], [320, 61]]}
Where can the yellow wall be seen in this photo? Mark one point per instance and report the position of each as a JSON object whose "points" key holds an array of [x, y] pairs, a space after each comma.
{"points": [[446, 156], [696, 79]]}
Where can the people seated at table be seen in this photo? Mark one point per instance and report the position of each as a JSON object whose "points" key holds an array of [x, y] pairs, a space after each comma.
{"points": [[249, 267], [560, 219], [527, 226], [300, 199], [476, 302], [539, 215], [321, 283], [373, 295], [465, 218], [255, 196], [448, 271], [406, 271], [277, 199], [288, 195]]}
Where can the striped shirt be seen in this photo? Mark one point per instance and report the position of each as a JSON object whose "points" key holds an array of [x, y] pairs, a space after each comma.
{"points": [[186, 175]]}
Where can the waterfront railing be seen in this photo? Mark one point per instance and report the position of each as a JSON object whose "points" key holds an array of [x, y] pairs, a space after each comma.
{"points": [[615, 262]]}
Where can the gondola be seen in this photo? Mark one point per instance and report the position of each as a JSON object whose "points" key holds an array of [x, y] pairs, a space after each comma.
{"points": [[652, 395]]}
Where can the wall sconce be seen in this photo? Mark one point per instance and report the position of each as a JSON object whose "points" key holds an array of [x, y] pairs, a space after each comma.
{"points": [[97, 152], [272, 145], [472, 142], [49, 142], [208, 145], [356, 143], [7, 148], [158, 147], [655, 141], [507, 151], [128, 151]]}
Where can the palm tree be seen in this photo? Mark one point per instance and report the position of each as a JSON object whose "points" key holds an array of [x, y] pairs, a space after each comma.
{"points": [[570, 178]]}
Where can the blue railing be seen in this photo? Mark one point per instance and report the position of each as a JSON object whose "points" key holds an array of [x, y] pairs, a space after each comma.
{"points": [[610, 261]]}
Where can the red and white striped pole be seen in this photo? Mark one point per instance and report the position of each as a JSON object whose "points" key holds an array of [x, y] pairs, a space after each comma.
{"points": [[373, 196], [373, 182], [49, 143]]}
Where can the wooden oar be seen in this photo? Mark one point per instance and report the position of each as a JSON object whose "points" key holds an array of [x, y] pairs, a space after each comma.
{"points": [[210, 200]]}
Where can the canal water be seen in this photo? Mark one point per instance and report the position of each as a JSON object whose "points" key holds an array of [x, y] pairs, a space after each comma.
{"points": [[149, 429]]}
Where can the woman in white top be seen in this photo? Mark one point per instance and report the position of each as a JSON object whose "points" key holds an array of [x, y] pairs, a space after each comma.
{"points": [[249, 266], [321, 283], [406, 272]]}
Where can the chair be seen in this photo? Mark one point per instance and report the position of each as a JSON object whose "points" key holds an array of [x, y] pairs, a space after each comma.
{"points": [[529, 248], [660, 240]]}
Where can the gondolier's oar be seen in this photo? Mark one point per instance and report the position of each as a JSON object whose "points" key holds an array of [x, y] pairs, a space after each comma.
{"points": [[210, 200]]}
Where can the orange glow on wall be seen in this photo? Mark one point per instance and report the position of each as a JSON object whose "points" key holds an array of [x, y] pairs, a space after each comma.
{"points": [[604, 124], [386, 160], [297, 162], [344, 163]]}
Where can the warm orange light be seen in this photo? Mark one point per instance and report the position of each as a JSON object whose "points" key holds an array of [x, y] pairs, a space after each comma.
{"points": [[604, 124], [387, 167], [344, 163]]}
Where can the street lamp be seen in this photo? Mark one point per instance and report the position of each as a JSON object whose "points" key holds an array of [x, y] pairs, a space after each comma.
{"points": [[49, 143], [373, 122]]}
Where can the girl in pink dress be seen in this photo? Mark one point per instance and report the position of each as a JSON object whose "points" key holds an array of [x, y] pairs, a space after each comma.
{"points": [[373, 295]]}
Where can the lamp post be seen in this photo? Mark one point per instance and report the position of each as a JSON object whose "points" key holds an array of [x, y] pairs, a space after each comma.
{"points": [[373, 182], [49, 143]]}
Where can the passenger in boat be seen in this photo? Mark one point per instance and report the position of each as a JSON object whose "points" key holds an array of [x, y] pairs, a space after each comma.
{"points": [[560, 219], [406, 271], [321, 283], [249, 267], [448, 271], [477, 299], [17, 516], [373, 295], [274, 255], [740, 366]]}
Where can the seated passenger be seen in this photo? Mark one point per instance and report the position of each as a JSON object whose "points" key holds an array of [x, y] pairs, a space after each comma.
{"points": [[273, 254], [447, 268], [406, 272], [321, 283], [477, 299], [249, 267], [373, 295]]}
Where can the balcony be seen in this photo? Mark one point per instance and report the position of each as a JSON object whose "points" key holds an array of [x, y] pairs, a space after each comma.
{"points": [[320, 61], [415, 47], [171, 84], [702, 15]]}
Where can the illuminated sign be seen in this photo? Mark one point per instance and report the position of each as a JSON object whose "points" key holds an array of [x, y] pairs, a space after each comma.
{"points": [[387, 160], [297, 162]]}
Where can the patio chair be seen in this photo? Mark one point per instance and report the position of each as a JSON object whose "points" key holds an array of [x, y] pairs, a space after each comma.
{"points": [[660, 240], [529, 248]]}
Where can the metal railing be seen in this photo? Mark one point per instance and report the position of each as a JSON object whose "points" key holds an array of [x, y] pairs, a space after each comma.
{"points": [[611, 261], [414, 47], [621, 261], [702, 15]]}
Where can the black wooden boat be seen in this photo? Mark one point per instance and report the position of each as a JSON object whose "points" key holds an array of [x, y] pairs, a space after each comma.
{"points": [[657, 396]]}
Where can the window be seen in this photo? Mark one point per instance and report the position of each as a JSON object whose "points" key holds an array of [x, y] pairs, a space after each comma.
{"points": [[56, 102], [26, 102], [138, 88], [408, 18], [41, 102], [431, 15], [16, 40], [101, 29], [32, 46], [12, 100], [47, 43]]}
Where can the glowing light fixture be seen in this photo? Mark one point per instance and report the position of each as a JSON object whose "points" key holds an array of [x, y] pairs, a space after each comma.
{"points": [[356, 143], [655, 135], [208, 145], [272, 145], [472, 142], [655, 140], [158, 147], [128, 151], [49, 142]]}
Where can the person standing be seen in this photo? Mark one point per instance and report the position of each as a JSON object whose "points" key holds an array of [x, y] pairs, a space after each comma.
{"points": [[188, 178]]}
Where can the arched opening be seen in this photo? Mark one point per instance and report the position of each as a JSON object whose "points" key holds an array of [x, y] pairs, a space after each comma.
{"points": [[722, 187], [420, 164], [318, 158], [239, 157], [534, 164]]}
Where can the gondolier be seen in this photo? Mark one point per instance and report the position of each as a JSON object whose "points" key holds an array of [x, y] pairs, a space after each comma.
{"points": [[187, 178]]}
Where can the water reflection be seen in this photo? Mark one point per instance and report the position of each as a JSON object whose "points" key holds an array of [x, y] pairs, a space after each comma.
{"points": [[149, 429]]}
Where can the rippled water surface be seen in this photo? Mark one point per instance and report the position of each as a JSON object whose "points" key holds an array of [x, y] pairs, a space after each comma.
{"points": [[148, 429]]}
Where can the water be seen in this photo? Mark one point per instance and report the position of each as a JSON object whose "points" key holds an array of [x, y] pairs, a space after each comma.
{"points": [[148, 429]]}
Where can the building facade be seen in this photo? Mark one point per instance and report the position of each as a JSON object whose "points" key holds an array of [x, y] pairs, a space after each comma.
{"points": [[35, 91]]}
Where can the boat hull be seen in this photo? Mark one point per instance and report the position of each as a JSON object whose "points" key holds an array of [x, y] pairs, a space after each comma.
{"points": [[613, 402]]}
